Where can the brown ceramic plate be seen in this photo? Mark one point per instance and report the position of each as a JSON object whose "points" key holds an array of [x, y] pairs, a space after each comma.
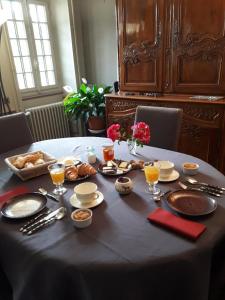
{"points": [[191, 203], [79, 178]]}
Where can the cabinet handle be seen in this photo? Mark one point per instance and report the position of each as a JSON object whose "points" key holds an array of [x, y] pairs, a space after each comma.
{"points": [[175, 34], [159, 34]]}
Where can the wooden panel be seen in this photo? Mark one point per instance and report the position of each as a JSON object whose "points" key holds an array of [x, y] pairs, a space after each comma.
{"points": [[140, 25], [199, 47], [202, 133]]}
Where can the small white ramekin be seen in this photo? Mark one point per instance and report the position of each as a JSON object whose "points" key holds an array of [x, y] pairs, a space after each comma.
{"points": [[190, 168], [82, 223]]}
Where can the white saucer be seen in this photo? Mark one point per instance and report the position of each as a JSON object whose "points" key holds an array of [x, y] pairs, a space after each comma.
{"points": [[96, 131], [173, 176], [95, 202]]}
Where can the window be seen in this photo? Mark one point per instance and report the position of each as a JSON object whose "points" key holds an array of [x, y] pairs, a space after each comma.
{"points": [[31, 45]]}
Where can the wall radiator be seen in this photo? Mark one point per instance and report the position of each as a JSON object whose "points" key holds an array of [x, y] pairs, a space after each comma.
{"points": [[48, 121]]}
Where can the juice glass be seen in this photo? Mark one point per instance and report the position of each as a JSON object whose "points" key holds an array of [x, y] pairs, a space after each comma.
{"points": [[152, 171], [108, 152], [57, 173]]}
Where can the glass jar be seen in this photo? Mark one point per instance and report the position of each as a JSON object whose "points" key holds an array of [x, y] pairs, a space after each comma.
{"points": [[91, 156]]}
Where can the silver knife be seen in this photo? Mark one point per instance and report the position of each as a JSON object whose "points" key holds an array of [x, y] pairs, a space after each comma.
{"points": [[42, 214], [43, 224], [61, 213], [186, 187], [49, 216], [210, 186]]}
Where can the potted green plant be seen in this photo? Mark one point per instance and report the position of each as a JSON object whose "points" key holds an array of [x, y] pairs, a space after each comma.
{"points": [[88, 103]]}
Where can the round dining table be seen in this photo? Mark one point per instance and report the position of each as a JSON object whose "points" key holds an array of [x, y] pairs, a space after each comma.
{"points": [[121, 255]]}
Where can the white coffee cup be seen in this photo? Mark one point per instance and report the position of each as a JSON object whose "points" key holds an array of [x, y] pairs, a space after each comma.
{"points": [[85, 192], [166, 168]]}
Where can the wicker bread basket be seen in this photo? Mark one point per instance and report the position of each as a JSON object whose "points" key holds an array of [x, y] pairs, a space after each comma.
{"points": [[27, 173]]}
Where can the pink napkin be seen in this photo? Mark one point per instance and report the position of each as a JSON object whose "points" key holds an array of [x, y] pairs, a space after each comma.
{"points": [[182, 226], [14, 192]]}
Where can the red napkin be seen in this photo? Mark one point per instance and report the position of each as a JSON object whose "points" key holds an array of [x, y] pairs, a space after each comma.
{"points": [[16, 191], [186, 228]]}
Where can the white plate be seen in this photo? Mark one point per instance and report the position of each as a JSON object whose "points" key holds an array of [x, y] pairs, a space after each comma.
{"points": [[173, 176], [76, 203]]}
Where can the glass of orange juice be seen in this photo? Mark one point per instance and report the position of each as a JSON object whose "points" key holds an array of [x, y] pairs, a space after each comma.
{"points": [[152, 171], [57, 173]]}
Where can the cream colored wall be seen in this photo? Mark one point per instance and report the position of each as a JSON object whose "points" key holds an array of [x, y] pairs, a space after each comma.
{"points": [[60, 20], [7, 75], [98, 21], [91, 52]]}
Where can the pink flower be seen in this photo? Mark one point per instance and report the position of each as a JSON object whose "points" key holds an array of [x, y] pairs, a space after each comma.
{"points": [[141, 132], [113, 132]]}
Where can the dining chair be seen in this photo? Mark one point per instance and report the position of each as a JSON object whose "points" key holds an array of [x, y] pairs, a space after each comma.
{"points": [[14, 131], [164, 123]]}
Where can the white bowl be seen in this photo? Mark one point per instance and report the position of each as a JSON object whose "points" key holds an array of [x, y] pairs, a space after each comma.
{"points": [[85, 192], [166, 168], [190, 168], [77, 219]]}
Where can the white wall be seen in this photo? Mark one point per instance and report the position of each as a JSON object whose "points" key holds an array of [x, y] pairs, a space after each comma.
{"points": [[96, 47], [98, 21], [7, 75], [60, 21]]}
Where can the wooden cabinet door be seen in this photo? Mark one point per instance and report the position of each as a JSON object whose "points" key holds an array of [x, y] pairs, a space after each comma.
{"points": [[140, 27], [198, 38]]}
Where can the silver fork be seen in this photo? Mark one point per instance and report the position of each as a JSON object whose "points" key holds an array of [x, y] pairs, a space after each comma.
{"points": [[186, 187], [204, 184]]}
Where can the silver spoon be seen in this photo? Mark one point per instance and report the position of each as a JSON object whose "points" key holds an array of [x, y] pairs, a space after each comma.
{"points": [[61, 213], [45, 193], [159, 197]]}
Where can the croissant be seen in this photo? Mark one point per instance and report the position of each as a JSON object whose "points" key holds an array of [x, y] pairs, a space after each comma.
{"points": [[86, 169], [71, 173]]}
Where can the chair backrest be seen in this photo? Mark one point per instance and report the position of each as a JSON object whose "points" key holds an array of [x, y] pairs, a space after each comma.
{"points": [[14, 132], [164, 123]]}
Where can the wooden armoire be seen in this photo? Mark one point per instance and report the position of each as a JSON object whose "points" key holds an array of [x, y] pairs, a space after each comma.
{"points": [[172, 53]]}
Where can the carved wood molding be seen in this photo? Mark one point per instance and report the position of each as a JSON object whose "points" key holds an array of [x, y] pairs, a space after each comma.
{"points": [[210, 114], [206, 114], [201, 46], [143, 51], [191, 131], [136, 53]]}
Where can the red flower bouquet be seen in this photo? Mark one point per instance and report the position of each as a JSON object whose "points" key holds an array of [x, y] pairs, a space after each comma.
{"points": [[113, 132], [139, 133]]}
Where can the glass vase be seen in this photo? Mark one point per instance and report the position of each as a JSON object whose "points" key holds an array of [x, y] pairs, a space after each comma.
{"points": [[132, 146]]}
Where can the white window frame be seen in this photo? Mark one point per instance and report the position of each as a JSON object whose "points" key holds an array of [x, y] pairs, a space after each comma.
{"points": [[38, 90]]}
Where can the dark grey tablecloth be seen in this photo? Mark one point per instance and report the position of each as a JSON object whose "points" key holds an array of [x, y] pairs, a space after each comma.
{"points": [[121, 255]]}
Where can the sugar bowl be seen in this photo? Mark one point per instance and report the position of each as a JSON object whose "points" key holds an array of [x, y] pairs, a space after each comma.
{"points": [[123, 185]]}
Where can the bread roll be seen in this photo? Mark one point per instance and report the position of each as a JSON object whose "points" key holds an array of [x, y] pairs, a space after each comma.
{"points": [[39, 161], [19, 162], [28, 165]]}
